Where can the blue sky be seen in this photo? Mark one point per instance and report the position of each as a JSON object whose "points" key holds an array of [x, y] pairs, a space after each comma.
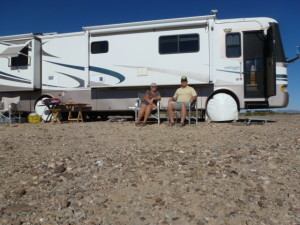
{"points": [[44, 16]]}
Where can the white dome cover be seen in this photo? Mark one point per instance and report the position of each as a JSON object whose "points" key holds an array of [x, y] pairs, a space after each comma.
{"points": [[222, 107]]}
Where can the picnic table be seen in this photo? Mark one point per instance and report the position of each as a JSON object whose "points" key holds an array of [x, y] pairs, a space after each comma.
{"points": [[71, 106]]}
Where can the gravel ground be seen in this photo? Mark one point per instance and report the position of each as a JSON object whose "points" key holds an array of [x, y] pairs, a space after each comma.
{"points": [[116, 173]]}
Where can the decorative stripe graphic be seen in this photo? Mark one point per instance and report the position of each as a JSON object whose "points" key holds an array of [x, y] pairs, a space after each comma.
{"points": [[6, 74], [108, 72], [49, 85], [229, 71], [93, 68], [13, 78], [80, 81], [281, 76], [66, 65], [47, 54]]}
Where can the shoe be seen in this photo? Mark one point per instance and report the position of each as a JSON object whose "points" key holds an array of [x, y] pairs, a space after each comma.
{"points": [[143, 124], [137, 124], [181, 125], [171, 124]]}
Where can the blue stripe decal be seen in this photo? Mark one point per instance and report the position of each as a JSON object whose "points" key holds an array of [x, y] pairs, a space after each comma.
{"points": [[108, 72], [15, 80], [229, 71], [66, 65], [282, 79], [80, 81], [9, 75], [281, 76]]}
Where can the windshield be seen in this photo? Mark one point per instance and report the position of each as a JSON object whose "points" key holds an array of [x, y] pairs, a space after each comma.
{"points": [[280, 56]]}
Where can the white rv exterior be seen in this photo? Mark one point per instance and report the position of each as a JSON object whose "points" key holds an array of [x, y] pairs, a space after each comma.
{"points": [[106, 66]]}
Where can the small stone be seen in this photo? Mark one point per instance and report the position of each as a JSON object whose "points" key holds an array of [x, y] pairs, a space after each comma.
{"points": [[279, 202], [2, 197], [157, 199], [18, 208], [262, 204], [212, 163], [65, 203], [293, 209], [59, 169], [68, 175], [19, 192], [200, 223], [234, 172], [138, 213]]}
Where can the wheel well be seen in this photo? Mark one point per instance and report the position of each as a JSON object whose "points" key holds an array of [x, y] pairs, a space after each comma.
{"points": [[226, 92], [41, 97]]}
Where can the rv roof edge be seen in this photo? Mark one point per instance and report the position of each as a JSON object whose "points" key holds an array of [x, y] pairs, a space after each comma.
{"points": [[53, 35], [17, 37], [151, 22], [148, 27]]}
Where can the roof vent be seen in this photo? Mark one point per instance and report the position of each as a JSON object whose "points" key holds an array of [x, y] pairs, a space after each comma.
{"points": [[214, 12]]}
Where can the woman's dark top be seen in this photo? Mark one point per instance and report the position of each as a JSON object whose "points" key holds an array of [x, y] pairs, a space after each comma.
{"points": [[151, 95]]}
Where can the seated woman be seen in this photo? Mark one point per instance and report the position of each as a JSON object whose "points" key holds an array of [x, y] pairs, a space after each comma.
{"points": [[149, 102]]}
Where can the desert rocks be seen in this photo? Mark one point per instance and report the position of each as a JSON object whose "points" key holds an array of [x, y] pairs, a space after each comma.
{"points": [[113, 173]]}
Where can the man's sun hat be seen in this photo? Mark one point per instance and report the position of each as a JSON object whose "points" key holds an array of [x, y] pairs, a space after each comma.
{"points": [[183, 78]]}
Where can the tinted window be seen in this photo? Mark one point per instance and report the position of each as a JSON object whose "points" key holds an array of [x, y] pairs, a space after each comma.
{"points": [[179, 44], [233, 45], [21, 59], [99, 47], [168, 44]]}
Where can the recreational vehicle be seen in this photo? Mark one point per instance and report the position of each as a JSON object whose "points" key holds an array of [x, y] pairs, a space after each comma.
{"points": [[107, 66]]}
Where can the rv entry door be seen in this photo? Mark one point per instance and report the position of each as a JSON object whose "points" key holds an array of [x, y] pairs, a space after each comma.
{"points": [[254, 64]]}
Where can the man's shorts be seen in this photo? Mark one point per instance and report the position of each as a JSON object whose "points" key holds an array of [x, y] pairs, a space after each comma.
{"points": [[178, 105]]}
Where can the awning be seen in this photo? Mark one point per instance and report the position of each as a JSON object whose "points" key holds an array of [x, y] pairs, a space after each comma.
{"points": [[11, 50]]}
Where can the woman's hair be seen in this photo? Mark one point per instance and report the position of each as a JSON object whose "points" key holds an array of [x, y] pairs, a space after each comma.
{"points": [[153, 84]]}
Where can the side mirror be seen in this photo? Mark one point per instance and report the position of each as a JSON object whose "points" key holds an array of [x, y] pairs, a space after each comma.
{"points": [[298, 56]]}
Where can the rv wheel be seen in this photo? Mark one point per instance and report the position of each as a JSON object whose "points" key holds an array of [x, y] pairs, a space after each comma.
{"points": [[42, 110], [222, 107]]}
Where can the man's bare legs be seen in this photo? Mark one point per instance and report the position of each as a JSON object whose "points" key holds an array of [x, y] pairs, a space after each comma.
{"points": [[183, 113], [171, 109]]}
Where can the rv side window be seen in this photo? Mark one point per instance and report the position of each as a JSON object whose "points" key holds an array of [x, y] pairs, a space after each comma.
{"points": [[233, 45], [186, 43], [21, 59], [99, 47]]}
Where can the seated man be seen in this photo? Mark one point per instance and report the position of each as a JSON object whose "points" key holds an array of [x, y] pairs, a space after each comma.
{"points": [[180, 101]]}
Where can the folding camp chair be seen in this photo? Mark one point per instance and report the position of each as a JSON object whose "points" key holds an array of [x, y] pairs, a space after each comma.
{"points": [[191, 107], [10, 109], [154, 114]]}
